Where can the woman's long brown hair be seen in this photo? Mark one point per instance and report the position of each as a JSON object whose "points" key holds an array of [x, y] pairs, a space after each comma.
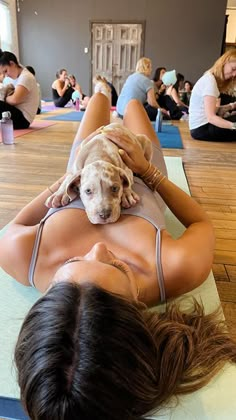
{"points": [[191, 348], [84, 353]]}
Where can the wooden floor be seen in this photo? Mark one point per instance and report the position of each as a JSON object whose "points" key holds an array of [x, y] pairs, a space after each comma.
{"points": [[39, 158]]}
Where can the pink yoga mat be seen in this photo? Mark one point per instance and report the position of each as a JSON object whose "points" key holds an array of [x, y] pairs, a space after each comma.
{"points": [[36, 125]]}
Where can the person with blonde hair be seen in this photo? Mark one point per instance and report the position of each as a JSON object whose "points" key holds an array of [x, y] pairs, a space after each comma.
{"points": [[139, 86], [206, 120]]}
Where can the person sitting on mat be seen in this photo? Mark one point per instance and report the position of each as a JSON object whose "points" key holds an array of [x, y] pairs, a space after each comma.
{"points": [[61, 89], [139, 86], [166, 101], [90, 346], [159, 86], [205, 116], [31, 69], [82, 97], [23, 102], [173, 92]]}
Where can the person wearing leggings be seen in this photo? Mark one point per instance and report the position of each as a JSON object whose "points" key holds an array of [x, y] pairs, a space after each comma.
{"points": [[207, 120], [23, 103]]}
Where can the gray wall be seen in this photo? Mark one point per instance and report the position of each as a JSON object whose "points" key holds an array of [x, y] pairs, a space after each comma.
{"points": [[183, 34]]}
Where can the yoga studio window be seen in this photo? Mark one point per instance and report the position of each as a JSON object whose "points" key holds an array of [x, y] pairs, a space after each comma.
{"points": [[5, 26]]}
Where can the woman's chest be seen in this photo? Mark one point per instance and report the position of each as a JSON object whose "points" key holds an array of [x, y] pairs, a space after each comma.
{"points": [[72, 233]]}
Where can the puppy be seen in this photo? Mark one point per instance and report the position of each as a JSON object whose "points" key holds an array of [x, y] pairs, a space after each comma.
{"points": [[6, 90], [100, 177]]}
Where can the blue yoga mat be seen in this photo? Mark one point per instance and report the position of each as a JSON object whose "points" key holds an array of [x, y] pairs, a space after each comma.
{"points": [[170, 137], [70, 116], [11, 408]]}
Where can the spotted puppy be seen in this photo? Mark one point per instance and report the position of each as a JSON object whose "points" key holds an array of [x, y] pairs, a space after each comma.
{"points": [[100, 176], [6, 90]]}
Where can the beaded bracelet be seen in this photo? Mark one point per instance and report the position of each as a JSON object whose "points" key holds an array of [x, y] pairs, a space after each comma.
{"points": [[153, 177]]}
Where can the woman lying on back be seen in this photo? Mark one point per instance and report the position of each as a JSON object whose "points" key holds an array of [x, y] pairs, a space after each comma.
{"points": [[89, 347]]}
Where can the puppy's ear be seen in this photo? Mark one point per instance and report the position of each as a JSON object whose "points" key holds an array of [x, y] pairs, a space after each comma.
{"points": [[72, 189], [126, 177]]}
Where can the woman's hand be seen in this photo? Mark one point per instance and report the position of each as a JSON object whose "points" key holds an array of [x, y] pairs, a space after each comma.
{"points": [[130, 151]]}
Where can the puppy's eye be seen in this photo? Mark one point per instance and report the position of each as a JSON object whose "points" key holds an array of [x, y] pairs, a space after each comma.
{"points": [[115, 188], [88, 191]]}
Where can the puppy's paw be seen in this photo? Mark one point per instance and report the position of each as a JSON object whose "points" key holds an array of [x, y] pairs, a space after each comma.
{"points": [[57, 200], [129, 199]]}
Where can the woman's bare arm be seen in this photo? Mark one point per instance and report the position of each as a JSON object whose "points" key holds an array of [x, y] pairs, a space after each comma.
{"points": [[18, 96], [191, 255], [177, 99], [210, 109], [61, 90], [151, 99], [33, 212]]}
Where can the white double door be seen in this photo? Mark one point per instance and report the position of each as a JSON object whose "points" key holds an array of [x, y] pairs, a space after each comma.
{"points": [[116, 48]]}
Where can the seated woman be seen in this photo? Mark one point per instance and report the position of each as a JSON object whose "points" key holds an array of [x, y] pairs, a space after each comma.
{"points": [[159, 86], [23, 102], [186, 93], [166, 101], [205, 120], [173, 92], [62, 89], [77, 89], [139, 86], [89, 344]]}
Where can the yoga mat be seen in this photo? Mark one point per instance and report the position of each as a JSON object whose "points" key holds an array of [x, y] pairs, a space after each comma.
{"points": [[216, 401], [169, 137], [70, 116], [36, 125], [48, 106]]}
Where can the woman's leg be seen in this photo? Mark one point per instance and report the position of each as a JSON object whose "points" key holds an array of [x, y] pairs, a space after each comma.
{"points": [[96, 115], [63, 100], [210, 132], [19, 121], [137, 121]]}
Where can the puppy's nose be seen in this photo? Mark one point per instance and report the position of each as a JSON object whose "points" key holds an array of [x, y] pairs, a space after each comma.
{"points": [[105, 214]]}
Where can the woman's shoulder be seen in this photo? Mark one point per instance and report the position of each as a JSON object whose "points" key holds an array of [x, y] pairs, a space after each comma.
{"points": [[16, 249], [206, 78]]}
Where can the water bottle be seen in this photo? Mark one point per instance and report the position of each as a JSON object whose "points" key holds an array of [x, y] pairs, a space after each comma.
{"points": [[7, 128], [158, 122]]}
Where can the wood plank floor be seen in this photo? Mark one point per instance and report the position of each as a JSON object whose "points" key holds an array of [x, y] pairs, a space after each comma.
{"points": [[38, 158]]}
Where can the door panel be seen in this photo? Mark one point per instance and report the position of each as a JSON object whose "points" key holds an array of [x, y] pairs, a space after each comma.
{"points": [[116, 49]]}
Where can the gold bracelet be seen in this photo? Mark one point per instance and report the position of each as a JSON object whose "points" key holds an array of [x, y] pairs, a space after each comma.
{"points": [[153, 177], [145, 173], [159, 182]]}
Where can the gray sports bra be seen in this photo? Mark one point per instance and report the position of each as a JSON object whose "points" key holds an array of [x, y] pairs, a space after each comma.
{"points": [[151, 207]]}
